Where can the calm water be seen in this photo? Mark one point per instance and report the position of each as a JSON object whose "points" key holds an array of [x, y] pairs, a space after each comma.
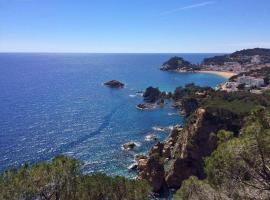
{"points": [[56, 104]]}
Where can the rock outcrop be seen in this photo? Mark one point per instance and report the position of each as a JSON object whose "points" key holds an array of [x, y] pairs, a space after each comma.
{"points": [[152, 170], [114, 84], [151, 94], [189, 105], [151, 137], [146, 106], [181, 155], [177, 64], [129, 145]]}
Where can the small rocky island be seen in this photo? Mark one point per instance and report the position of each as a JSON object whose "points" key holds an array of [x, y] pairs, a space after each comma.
{"points": [[114, 84], [153, 98], [129, 145], [177, 64]]}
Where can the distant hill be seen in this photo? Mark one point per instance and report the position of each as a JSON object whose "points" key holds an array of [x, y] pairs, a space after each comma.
{"points": [[177, 63], [243, 56], [237, 62], [252, 52]]}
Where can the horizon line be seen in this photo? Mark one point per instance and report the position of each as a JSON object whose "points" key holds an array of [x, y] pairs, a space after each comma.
{"points": [[61, 52]]}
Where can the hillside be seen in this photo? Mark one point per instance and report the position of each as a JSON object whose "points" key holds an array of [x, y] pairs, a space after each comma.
{"points": [[239, 61], [177, 64], [183, 153]]}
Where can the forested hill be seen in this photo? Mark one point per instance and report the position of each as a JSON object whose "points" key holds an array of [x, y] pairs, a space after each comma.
{"points": [[243, 56]]}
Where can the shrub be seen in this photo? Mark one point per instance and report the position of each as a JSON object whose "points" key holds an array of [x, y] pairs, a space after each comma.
{"points": [[62, 179]]}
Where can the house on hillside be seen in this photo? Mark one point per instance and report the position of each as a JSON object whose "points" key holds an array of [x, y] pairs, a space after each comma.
{"points": [[250, 81]]}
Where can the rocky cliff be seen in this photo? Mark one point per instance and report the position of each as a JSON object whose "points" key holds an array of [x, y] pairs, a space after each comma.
{"points": [[181, 155]]}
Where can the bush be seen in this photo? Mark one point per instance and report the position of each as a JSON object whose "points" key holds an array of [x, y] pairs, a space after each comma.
{"points": [[62, 179], [224, 136], [242, 165], [195, 189]]}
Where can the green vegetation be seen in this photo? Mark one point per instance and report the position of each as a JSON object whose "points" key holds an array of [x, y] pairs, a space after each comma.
{"points": [[175, 63], [243, 56], [240, 167], [216, 60], [224, 136], [190, 90], [252, 52], [62, 179], [195, 189], [151, 94], [191, 186], [240, 103]]}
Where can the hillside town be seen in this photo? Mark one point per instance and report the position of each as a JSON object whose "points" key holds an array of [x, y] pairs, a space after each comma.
{"points": [[253, 71], [254, 62], [252, 83], [247, 69]]}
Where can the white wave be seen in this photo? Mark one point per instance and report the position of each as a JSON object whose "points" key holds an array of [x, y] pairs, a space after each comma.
{"points": [[162, 129], [150, 137]]}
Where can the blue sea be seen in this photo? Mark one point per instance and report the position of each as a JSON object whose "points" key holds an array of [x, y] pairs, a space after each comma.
{"points": [[54, 104]]}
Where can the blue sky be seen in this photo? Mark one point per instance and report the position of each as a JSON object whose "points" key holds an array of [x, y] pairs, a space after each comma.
{"points": [[129, 26]]}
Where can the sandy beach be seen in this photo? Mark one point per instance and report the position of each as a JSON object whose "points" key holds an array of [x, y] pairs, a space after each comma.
{"points": [[220, 73]]}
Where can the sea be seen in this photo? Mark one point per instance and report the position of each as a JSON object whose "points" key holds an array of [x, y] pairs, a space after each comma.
{"points": [[56, 103]]}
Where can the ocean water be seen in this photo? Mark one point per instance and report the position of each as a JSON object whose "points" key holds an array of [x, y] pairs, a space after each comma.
{"points": [[54, 104]]}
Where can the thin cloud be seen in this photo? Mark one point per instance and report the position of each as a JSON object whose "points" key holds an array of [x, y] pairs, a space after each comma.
{"points": [[254, 44], [187, 7]]}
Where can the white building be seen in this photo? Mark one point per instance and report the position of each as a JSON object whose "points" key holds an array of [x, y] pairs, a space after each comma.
{"points": [[256, 59], [250, 81]]}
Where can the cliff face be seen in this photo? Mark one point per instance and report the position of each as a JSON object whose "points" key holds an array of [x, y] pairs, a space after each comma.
{"points": [[189, 105], [181, 155]]}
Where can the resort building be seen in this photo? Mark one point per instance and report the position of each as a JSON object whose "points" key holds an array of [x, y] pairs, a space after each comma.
{"points": [[250, 81]]}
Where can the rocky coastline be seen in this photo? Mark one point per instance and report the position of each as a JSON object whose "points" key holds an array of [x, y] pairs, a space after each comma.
{"points": [[182, 154], [227, 65], [153, 98]]}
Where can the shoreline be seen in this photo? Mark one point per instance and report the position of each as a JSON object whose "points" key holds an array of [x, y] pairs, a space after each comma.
{"points": [[219, 73]]}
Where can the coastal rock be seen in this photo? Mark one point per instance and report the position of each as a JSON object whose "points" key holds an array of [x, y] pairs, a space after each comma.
{"points": [[114, 84], [183, 152], [146, 106], [139, 159], [129, 145], [182, 113], [156, 150], [142, 163], [196, 141], [177, 104], [133, 166], [177, 64], [161, 103], [166, 151], [139, 93], [151, 94], [151, 137], [163, 129], [189, 105], [140, 156], [152, 170]]}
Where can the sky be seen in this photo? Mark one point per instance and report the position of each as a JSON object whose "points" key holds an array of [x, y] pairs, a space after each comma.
{"points": [[134, 26]]}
